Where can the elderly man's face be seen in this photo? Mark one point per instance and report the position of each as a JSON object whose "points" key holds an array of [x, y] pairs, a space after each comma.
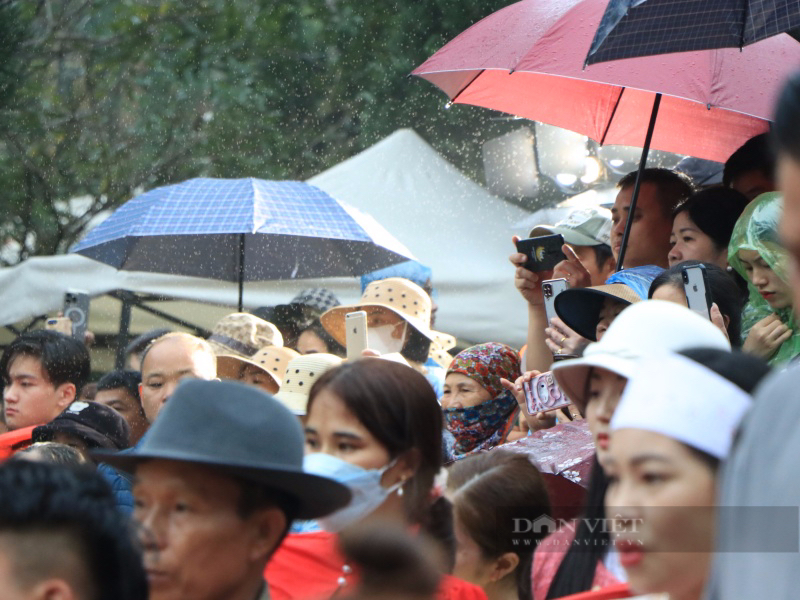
{"points": [[165, 365], [196, 544]]}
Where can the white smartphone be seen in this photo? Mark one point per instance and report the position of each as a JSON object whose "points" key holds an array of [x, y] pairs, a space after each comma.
{"points": [[356, 334], [698, 296], [550, 289]]}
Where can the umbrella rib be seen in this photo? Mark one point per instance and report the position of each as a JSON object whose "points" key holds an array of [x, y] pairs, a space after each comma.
{"points": [[469, 83], [611, 118]]}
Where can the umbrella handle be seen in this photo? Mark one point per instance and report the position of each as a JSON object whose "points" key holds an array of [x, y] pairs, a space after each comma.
{"points": [[642, 163]]}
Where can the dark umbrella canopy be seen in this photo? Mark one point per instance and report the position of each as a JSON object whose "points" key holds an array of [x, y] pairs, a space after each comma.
{"points": [[242, 230], [631, 28]]}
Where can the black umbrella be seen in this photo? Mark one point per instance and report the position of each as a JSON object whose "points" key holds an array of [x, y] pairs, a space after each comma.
{"points": [[631, 28]]}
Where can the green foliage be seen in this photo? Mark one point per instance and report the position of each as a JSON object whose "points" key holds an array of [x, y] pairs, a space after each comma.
{"points": [[101, 99]]}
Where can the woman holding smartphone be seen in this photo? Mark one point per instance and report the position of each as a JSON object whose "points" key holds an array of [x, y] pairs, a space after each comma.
{"points": [[769, 328]]}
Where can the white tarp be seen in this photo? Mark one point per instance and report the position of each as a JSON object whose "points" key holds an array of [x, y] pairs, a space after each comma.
{"points": [[450, 223], [447, 221]]}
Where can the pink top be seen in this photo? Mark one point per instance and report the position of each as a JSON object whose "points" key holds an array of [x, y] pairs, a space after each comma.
{"points": [[548, 557]]}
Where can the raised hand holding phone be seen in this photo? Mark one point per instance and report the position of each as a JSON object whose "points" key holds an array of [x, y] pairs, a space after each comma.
{"points": [[355, 334]]}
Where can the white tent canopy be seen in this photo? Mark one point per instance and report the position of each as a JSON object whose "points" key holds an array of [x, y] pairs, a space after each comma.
{"points": [[450, 223], [447, 221]]}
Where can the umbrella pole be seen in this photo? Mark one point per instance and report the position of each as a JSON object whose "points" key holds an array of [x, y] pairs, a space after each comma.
{"points": [[642, 164], [241, 270]]}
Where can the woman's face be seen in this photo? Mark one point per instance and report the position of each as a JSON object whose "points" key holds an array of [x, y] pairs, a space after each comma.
{"points": [[689, 243], [671, 293], [252, 375], [662, 496], [471, 563], [604, 391], [611, 308], [462, 392], [772, 288], [333, 429], [309, 342]]}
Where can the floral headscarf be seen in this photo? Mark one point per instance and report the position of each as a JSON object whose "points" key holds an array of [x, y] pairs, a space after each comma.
{"points": [[488, 424], [757, 229]]}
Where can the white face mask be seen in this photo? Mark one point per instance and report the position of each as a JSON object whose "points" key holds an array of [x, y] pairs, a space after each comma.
{"points": [[381, 338], [364, 484]]}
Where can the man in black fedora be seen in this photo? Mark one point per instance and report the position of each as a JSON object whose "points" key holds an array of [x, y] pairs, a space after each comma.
{"points": [[218, 481]]}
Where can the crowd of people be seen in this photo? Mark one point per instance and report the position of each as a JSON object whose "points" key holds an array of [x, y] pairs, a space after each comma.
{"points": [[260, 463]]}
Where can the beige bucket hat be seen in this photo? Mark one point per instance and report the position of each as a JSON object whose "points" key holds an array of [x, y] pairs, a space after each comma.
{"points": [[401, 296], [301, 373], [242, 335], [273, 360]]}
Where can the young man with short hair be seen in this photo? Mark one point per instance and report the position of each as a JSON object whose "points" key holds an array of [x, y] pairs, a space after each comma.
{"points": [[43, 372], [660, 192], [61, 538], [751, 169], [120, 390]]}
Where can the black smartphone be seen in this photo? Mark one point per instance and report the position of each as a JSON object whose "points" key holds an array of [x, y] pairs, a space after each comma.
{"points": [[698, 294], [543, 252], [76, 308]]}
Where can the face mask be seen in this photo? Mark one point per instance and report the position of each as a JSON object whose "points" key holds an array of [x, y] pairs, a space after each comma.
{"points": [[381, 339], [364, 484], [483, 426]]}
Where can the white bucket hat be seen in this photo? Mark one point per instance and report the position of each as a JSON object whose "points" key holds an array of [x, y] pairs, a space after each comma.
{"points": [[300, 375], [639, 330]]}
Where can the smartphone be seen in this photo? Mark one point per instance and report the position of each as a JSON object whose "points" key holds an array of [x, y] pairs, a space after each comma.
{"points": [[543, 252], [356, 333], [60, 324], [550, 289], [76, 308], [543, 394], [698, 294]]}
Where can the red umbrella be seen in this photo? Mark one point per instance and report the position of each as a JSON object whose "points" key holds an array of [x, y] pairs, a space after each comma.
{"points": [[527, 59]]}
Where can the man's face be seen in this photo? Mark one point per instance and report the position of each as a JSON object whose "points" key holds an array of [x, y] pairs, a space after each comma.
{"points": [[752, 183], [588, 257], [789, 228], [195, 543], [122, 401], [648, 243], [167, 364], [29, 396]]}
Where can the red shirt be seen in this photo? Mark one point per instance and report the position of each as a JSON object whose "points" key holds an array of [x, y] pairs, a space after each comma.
{"points": [[621, 590], [309, 566], [15, 440]]}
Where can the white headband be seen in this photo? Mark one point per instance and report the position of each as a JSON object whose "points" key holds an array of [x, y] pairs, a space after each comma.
{"points": [[681, 399]]}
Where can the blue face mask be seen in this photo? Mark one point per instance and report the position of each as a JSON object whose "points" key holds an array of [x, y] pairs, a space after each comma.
{"points": [[364, 484]]}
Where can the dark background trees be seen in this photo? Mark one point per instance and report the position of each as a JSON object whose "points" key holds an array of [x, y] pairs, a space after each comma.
{"points": [[101, 99]]}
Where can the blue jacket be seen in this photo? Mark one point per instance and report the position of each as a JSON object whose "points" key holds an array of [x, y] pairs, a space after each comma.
{"points": [[121, 485]]}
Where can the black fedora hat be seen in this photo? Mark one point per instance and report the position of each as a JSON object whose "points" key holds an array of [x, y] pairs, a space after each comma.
{"points": [[242, 431]]}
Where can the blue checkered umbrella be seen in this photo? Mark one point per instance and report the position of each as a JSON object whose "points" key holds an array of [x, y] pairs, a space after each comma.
{"points": [[242, 230], [631, 28]]}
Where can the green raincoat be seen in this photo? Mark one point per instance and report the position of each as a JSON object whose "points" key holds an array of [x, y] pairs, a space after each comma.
{"points": [[757, 229]]}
